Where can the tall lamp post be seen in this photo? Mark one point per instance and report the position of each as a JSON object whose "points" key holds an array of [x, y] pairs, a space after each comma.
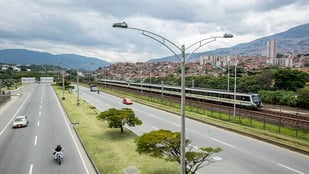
{"points": [[63, 98], [77, 81], [182, 57], [235, 79]]}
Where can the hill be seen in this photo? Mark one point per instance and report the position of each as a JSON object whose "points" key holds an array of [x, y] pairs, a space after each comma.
{"points": [[294, 40], [21, 56]]}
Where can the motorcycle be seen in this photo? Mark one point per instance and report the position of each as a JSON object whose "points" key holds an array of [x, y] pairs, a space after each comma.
{"points": [[58, 156]]}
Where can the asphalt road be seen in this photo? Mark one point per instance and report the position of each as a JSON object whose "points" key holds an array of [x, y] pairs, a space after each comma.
{"points": [[240, 155], [29, 150]]}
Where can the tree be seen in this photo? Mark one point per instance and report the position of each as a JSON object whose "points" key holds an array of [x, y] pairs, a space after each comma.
{"points": [[303, 97], [166, 145], [287, 79], [118, 118]]}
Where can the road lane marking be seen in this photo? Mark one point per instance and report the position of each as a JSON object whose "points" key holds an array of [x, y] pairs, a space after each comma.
{"points": [[40, 113], [155, 128], [38, 123], [7, 125], [35, 140], [30, 170], [175, 124], [156, 117], [222, 142], [290, 168], [195, 147], [71, 133], [40, 106]]}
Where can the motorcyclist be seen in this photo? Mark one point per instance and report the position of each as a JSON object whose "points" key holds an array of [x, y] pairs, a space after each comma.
{"points": [[60, 149]]}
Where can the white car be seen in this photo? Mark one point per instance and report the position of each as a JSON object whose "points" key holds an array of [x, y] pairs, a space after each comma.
{"points": [[20, 121]]}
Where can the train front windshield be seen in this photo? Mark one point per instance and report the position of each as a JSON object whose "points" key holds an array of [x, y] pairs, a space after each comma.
{"points": [[256, 98]]}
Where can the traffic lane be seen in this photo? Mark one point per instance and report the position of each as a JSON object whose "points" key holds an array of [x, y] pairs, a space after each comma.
{"points": [[8, 110], [253, 155], [256, 151], [103, 101], [53, 129], [16, 144], [256, 162], [19, 153]]}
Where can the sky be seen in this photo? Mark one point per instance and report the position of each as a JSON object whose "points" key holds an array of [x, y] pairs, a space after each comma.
{"points": [[84, 27]]}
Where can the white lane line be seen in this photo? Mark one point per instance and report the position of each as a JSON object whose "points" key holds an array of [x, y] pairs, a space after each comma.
{"points": [[175, 124], [7, 125], [164, 120], [155, 128], [290, 168], [194, 147], [38, 123], [30, 170], [222, 142], [71, 133], [40, 113], [35, 140], [40, 106]]}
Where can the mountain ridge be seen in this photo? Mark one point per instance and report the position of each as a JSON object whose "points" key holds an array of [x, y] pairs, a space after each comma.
{"points": [[23, 56], [295, 39]]}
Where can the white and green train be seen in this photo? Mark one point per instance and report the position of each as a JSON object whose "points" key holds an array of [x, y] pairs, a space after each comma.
{"points": [[247, 100]]}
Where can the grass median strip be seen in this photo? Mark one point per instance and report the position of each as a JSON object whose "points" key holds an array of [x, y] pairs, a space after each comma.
{"points": [[111, 151]]}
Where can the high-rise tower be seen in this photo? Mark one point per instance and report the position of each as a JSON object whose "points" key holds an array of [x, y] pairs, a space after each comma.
{"points": [[271, 51]]}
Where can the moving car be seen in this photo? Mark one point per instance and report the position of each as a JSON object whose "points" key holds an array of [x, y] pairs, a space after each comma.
{"points": [[20, 121], [127, 101]]}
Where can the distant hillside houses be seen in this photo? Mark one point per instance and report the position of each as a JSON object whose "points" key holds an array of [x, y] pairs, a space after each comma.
{"points": [[5, 67], [289, 60]]}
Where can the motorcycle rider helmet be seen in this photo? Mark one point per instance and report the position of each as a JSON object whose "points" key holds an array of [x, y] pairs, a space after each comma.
{"points": [[58, 148]]}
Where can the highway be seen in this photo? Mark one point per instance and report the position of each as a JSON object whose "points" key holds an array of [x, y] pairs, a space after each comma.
{"points": [[29, 150], [240, 155]]}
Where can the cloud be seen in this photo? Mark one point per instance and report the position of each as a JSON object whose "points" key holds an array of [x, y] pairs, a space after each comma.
{"points": [[85, 27]]}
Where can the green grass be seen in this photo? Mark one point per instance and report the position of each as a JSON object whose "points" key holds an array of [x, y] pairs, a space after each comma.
{"points": [[111, 151]]}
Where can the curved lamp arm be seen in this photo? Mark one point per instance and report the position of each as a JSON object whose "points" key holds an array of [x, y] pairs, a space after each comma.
{"points": [[162, 40]]}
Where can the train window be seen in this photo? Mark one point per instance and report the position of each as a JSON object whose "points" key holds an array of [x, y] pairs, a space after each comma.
{"points": [[228, 96], [213, 94], [201, 93], [192, 91], [245, 98]]}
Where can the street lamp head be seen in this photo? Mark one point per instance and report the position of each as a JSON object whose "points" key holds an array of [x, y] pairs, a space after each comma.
{"points": [[120, 25], [226, 35]]}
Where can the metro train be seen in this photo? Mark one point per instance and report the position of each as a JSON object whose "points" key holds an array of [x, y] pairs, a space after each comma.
{"points": [[246, 100]]}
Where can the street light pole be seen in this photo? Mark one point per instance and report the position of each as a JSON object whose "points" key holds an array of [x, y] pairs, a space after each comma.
{"points": [[77, 81], [183, 110], [63, 85], [165, 42], [234, 111], [228, 75]]}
